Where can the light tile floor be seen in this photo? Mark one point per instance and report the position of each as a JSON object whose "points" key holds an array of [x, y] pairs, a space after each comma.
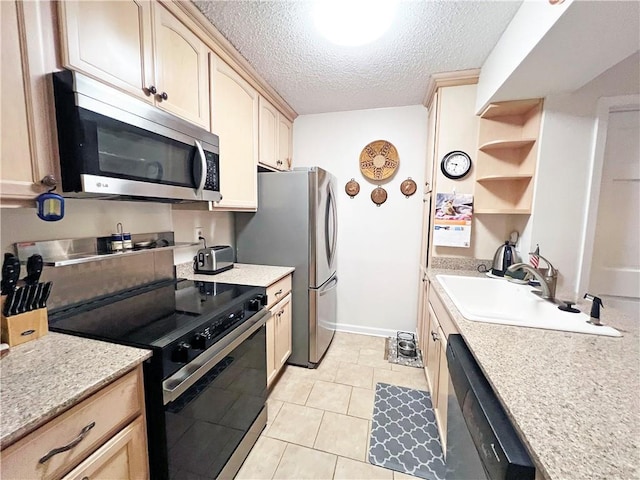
{"points": [[319, 420]]}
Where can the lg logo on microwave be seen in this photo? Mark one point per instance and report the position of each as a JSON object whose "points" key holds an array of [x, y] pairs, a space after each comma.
{"points": [[100, 185]]}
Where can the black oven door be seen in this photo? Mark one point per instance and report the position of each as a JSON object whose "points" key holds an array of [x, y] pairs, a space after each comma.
{"points": [[209, 418]]}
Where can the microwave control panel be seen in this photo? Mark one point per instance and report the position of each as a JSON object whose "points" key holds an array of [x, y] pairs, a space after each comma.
{"points": [[212, 180]]}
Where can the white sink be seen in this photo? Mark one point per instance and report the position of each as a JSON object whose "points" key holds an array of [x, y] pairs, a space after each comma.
{"points": [[500, 301]]}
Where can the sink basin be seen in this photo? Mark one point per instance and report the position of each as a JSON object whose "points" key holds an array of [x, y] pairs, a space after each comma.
{"points": [[500, 301]]}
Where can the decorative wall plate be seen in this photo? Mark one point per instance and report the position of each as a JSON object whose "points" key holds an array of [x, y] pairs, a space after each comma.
{"points": [[379, 160], [352, 188], [379, 196], [408, 187]]}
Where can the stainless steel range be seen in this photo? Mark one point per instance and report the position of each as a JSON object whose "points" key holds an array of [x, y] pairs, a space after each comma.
{"points": [[205, 385]]}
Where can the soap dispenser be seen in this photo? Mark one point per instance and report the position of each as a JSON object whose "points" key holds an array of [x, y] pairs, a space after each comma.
{"points": [[595, 308]]}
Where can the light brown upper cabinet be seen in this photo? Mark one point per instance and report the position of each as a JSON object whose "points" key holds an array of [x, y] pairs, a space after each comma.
{"points": [[275, 138], [111, 41], [27, 143], [285, 136], [141, 48], [234, 118], [181, 63]]}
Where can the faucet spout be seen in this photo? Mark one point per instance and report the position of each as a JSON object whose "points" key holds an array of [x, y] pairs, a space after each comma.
{"points": [[547, 280]]}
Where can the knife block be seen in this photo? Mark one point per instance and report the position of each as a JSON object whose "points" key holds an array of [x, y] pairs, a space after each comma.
{"points": [[22, 328]]}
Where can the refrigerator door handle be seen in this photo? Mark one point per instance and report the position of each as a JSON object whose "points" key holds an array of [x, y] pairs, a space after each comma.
{"points": [[330, 285], [331, 245]]}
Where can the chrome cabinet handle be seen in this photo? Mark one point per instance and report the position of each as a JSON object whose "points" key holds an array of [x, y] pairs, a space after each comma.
{"points": [[70, 445], [151, 90], [434, 335], [278, 293], [279, 162], [163, 96]]}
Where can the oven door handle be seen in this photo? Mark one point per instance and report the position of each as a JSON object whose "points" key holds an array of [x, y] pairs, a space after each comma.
{"points": [[179, 382]]}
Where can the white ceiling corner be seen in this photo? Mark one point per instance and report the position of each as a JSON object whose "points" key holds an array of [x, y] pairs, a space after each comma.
{"points": [[279, 40]]}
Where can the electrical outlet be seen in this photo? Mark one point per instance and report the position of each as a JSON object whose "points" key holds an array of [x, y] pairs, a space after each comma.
{"points": [[197, 233]]}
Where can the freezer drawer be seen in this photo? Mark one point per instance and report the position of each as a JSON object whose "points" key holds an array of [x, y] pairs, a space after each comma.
{"points": [[322, 318]]}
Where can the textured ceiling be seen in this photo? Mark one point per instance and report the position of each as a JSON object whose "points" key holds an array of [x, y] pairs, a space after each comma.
{"points": [[279, 40]]}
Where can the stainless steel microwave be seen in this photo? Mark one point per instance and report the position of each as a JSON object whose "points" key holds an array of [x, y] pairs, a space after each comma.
{"points": [[114, 145]]}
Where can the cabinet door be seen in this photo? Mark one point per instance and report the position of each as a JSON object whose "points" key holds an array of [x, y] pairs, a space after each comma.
{"points": [[283, 332], [271, 348], [181, 67], [433, 356], [27, 144], [124, 457], [110, 41], [234, 115], [443, 390], [268, 134], [285, 136]]}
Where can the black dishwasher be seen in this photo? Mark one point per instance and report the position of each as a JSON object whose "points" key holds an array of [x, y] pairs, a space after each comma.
{"points": [[481, 441]]}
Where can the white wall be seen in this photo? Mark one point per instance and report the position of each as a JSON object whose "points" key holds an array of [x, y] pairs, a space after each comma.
{"points": [[530, 24], [378, 247], [564, 169], [94, 218], [554, 49]]}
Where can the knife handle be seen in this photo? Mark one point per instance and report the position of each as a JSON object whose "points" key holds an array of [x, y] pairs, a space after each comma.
{"points": [[34, 269], [7, 303], [46, 291]]}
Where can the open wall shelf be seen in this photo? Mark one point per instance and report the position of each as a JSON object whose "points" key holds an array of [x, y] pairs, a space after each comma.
{"points": [[505, 167]]}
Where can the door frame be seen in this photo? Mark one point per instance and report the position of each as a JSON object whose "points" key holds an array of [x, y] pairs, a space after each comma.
{"points": [[605, 106]]}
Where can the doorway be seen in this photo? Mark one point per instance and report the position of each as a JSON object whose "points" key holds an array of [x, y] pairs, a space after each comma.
{"points": [[614, 214]]}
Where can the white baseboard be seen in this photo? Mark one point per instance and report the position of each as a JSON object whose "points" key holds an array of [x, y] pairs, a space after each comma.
{"points": [[376, 332]]}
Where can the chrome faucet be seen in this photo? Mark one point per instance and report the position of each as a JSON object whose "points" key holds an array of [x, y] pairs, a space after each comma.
{"points": [[547, 278]]}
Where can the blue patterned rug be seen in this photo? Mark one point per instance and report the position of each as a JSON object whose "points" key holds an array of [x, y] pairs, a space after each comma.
{"points": [[404, 434]]}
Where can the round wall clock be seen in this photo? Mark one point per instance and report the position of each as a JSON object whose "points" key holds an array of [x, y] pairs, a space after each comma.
{"points": [[379, 196], [455, 165], [379, 160]]}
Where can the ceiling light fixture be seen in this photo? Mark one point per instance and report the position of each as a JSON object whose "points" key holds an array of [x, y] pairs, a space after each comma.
{"points": [[353, 22]]}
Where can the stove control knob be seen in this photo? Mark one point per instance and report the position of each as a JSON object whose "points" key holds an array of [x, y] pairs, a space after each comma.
{"points": [[199, 341], [255, 304], [262, 298], [181, 353]]}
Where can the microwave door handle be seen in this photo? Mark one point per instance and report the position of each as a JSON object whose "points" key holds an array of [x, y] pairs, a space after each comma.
{"points": [[203, 172]]}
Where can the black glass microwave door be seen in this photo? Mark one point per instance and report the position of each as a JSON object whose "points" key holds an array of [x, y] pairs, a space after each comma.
{"points": [[116, 149], [207, 423]]}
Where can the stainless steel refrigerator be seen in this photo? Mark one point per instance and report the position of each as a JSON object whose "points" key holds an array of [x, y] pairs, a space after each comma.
{"points": [[296, 225]]}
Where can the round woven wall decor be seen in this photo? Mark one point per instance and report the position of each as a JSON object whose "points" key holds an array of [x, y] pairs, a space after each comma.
{"points": [[379, 160]]}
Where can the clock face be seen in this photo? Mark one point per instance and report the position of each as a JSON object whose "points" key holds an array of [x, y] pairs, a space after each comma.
{"points": [[379, 160], [455, 164]]}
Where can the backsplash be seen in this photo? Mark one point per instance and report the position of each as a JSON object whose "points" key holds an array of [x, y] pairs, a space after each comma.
{"points": [[459, 263], [95, 218]]}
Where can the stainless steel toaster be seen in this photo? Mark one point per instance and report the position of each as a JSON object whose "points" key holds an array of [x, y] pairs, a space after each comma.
{"points": [[212, 260]]}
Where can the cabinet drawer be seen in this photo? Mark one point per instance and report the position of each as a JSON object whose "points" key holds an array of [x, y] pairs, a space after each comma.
{"points": [[446, 324], [278, 290], [107, 410], [123, 457]]}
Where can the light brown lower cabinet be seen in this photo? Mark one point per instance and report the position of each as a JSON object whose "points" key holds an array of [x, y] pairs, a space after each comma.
{"points": [[103, 436], [122, 457], [278, 327], [436, 328]]}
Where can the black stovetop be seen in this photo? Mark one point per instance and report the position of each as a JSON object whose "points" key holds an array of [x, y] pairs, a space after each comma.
{"points": [[154, 315]]}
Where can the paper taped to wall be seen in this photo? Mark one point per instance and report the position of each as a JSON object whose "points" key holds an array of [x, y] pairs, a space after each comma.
{"points": [[452, 223]]}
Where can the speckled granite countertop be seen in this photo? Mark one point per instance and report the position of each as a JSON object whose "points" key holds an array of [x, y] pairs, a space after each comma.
{"points": [[575, 398], [240, 274], [42, 378]]}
